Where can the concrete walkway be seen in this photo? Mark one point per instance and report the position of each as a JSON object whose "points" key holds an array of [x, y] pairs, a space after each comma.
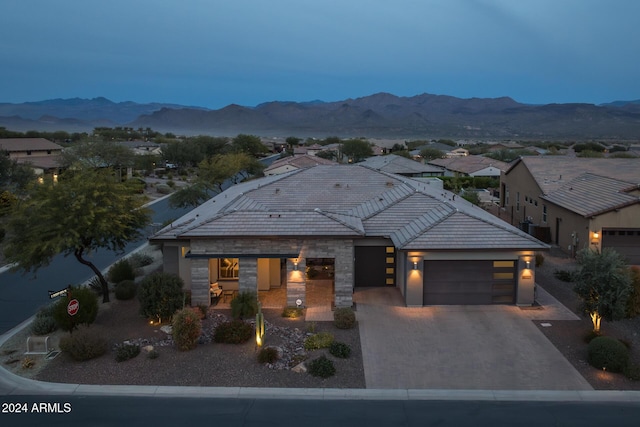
{"points": [[457, 347]]}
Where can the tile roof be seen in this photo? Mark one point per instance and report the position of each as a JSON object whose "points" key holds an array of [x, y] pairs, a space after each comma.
{"points": [[393, 163], [299, 161], [586, 186], [23, 144], [348, 201], [469, 164]]}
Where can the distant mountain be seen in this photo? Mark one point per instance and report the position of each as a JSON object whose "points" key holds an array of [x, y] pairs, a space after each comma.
{"points": [[379, 115]]}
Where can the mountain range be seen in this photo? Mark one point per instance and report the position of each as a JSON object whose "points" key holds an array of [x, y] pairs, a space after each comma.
{"points": [[381, 115]]}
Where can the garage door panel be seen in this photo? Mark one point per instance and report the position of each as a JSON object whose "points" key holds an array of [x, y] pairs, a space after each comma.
{"points": [[468, 283], [626, 242]]}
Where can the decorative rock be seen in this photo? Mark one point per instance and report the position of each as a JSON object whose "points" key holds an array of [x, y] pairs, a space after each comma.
{"points": [[147, 348], [167, 329], [300, 368]]}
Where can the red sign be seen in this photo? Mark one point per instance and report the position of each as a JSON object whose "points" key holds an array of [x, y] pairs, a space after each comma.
{"points": [[72, 307]]}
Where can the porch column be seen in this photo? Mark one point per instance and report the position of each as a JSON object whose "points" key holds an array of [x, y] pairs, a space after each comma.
{"points": [[526, 280], [200, 282], [248, 275], [343, 281], [296, 281]]}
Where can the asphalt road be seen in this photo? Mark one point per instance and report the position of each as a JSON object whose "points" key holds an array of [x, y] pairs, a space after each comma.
{"points": [[175, 411], [21, 295]]}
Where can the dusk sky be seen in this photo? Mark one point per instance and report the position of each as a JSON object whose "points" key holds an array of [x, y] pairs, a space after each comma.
{"points": [[212, 53]]}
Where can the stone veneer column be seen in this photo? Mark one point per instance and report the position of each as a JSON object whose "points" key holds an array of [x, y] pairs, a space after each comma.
{"points": [[296, 282], [343, 276], [200, 282], [248, 275]]}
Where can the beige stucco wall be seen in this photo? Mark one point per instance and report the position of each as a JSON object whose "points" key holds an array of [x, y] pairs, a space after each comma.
{"points": [[519, 180]]}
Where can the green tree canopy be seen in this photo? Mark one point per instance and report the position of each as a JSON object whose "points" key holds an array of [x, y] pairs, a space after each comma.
{"points": [[430, 153], [603, 283], [356, 149], [86, 210], [98, 155], [249, 144]]}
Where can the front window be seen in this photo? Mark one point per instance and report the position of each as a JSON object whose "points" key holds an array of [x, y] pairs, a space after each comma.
{"points": [[544, 213], [228, 268]]}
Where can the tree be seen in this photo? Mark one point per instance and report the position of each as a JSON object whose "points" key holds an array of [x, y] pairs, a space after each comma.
{"points": [[603, 282], [99, 155], [249, 144], [356, 149], [86, 210], [430, 153]]}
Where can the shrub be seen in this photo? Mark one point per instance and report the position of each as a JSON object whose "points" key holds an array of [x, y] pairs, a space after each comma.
{"points": [[344, 318], [186, 329], [539, 259], [160, 295], [125, 290], [84, 344], [121, 270], [608, 353], [163, 189], [28, 363], [95, 285], [43, 325], [633, 303], [140, 259], [319, 340], [321, 367], [171, 183], [87, 310], [153, 354], [340, 349], [632, 371], [233, 332], [267, 355], [589, 336], [564, 275], [126, 352], [244, 305], [292, 312]]}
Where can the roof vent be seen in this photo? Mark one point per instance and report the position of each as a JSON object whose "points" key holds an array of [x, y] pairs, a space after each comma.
{"points": [[337, 185], [389, 184]]}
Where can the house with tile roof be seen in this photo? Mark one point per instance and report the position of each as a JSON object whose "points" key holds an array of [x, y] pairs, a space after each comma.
{"points": [[39, 153], [576, 202], [367, 227], [295, 162], [471, 166], [400, 165]]}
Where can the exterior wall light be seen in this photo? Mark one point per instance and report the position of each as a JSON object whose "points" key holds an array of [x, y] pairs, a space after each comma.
{"points": [[295, 264], [415, 265], [595, 238], [527, 264]]}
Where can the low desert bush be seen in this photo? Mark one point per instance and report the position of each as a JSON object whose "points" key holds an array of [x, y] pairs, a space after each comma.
{"points": [[186, 329], [140, 259], [84, 344], [87, 311], [153, 354], [322, 367], [589, 336], [564, 275], [121, 270], [233, 332], [163, 189], [340, 349], [28, 363], [292, 312], [632, 371], [319, 340], [43, 325], [633, 303], [608, 353], [160, 295], [244, 305], [125, 290], [126, 352], [267, 355], [344, 318]]}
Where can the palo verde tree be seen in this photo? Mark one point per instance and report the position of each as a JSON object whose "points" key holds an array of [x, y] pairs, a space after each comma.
{"points": [[85, 210], [603, 282]]}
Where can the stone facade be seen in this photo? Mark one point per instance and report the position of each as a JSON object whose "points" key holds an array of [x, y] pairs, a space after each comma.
{"points": [[339, 249]]}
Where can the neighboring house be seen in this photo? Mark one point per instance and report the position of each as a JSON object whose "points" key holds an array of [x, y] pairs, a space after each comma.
{"points": [[370, 228], [393, 163], [457, 152], [505, 146], [576, 202], [471, 166], [143, 147], [41, 154], [291, 163]]}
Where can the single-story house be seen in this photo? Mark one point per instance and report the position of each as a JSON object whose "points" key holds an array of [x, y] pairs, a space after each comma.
{"points": [[370, 228], [39, 153], [295, 162], [576, 202], [471, 166], [400, 165]]}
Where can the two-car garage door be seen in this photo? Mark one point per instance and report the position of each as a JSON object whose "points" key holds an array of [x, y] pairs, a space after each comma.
{"points": [[469, 282], [624, 241]]}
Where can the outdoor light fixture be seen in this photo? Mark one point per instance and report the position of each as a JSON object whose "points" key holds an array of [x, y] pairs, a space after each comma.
{"points": [[595, 238], [415, 265], [527, 264], [295, 264]]}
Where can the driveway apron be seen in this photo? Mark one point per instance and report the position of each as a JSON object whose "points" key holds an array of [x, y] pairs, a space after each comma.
{"points": [[456, 347]]}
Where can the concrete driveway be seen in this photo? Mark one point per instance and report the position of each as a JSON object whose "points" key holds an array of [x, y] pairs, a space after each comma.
{"points": [[456, 347]]}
